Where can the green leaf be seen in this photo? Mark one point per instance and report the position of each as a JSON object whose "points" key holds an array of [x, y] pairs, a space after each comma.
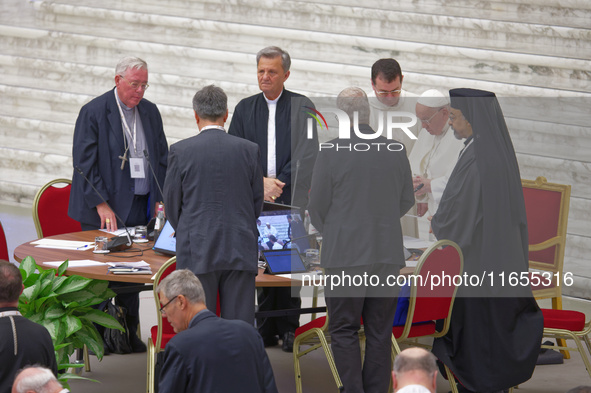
{"points": [[55, 311], [67, 376], [30, 293], [53, 327], [73, 324], [73, 284], [58, 282], [57, 347], [62, 268], [82, 297], [103, 319], [90, 341], [27, 267], [46, 280], [43, 303], [98, 287]]}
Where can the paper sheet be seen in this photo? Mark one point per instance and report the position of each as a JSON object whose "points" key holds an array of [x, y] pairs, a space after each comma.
{"points": [[77, 263], [63, 244]]}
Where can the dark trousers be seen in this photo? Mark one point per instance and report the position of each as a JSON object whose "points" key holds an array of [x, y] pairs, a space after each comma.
{"points": [[346, 307], [236, 293]]}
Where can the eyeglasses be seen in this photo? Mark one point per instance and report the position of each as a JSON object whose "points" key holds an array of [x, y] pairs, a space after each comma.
{"points": [[452, 118], [135, 85], [383, 93], [162, 311], [428, 121]]}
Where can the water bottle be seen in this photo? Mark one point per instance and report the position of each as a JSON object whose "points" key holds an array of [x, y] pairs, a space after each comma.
{"points": [[159, 224]]}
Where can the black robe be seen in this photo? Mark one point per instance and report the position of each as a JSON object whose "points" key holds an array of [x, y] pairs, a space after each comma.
{"points": [[495, 331]]}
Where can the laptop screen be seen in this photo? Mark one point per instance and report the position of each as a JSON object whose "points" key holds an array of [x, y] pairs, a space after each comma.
{"points": [[283, 229], [284, 261], [166, 242]]}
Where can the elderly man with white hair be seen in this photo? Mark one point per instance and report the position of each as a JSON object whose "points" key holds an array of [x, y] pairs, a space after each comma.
{"points": [[435, 152], [37, 379]]}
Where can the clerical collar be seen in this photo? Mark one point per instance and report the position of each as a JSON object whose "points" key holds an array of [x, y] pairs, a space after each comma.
{"points": [[272, 102]]}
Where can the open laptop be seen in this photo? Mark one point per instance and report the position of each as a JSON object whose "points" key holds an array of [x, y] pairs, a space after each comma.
{"points": [[166, 243], [286, 261]]}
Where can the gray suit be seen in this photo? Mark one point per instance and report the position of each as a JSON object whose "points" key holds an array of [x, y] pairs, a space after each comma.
{"points": [[213, 195], [356, 201]]}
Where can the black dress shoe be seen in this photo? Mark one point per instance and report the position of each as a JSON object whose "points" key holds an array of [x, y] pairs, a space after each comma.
{"points": [[288, 342], [270, 341]]}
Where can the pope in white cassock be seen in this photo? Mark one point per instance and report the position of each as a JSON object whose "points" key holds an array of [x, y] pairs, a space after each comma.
{"points": [[435, 152]]}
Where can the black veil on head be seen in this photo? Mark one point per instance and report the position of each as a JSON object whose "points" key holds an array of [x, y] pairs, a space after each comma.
{"points": [[502, 192]]}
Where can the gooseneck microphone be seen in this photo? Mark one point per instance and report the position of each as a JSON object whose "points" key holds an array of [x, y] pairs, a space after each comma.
{"points": [[153, 173], [115, 240], [295, 182]]}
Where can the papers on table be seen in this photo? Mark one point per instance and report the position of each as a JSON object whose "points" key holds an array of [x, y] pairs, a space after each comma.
{"points": [[413, 242], [80, 263], [63, 244], [120, 232], [141, 267]]}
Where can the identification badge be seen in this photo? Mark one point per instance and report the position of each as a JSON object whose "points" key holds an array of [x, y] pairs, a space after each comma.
{"points": [[136, 166]]}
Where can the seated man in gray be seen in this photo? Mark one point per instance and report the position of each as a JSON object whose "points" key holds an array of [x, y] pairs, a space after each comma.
{"points": [[209, 354], [23, 342]]}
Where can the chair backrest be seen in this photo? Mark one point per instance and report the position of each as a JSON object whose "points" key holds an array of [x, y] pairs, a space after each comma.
{"points": [[546, 206], [3, 245], [164, 327], [432, 294], [50, 209]]}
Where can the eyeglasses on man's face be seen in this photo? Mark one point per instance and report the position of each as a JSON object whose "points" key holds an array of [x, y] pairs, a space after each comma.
{"points": [[162, 311], [428, 121], [135, 85], [385, 93]]}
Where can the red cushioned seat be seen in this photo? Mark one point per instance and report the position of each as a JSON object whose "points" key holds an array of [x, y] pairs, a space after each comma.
{"points": [[316, 323], [417, 330], [165, 336], [563, 319]]}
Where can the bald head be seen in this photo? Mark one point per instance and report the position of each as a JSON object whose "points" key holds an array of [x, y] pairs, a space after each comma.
{"points": [[415, 366], [36, 380]]}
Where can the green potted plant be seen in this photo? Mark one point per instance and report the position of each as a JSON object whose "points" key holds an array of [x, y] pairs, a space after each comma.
{"points": [[63, 305]]}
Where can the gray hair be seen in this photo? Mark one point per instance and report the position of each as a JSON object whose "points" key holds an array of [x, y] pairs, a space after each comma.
{"points": [[272, 52], [182, 282], [39, 382], [354, 99], [210, 103], [415, 359], [130, 63]]}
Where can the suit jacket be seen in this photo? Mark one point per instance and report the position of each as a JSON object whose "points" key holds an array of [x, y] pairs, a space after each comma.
{"points": [[214, 194], [216, 355], [249, 121], [356, 201], [98, 142], [34, 346]]}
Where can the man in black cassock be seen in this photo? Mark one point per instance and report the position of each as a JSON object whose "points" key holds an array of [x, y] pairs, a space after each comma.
{"points": [[495, 331], [275, 119]]}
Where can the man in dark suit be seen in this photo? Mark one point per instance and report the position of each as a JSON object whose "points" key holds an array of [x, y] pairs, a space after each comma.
{"points": [[23, 342], [357, 197], [112, 133], [208, 354], [214, 194], [275, 120]]}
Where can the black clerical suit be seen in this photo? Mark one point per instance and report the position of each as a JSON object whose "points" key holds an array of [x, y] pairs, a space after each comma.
{"points": [[294, 153], [213, 195], [495, 330], [356, 200], [216, 355], [33, 347]]}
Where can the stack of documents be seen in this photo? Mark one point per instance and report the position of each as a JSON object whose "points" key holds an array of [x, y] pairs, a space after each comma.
{"points": [[129, 267], [63, 244]]}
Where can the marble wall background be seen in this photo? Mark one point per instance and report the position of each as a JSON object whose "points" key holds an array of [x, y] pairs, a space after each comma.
{"points": [[57, 55]]}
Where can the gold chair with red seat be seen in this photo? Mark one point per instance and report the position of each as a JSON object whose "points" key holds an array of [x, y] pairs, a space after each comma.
{"points": [[430, 303], [50, 209], [568, 325], [547, 206], [161, 333]]}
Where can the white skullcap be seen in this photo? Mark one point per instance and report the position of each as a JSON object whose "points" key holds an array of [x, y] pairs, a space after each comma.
{"points": [[433, 99]]}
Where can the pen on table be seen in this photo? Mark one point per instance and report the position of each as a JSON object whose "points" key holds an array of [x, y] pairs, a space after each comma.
{"points": [[85, 246], [419, 187]]}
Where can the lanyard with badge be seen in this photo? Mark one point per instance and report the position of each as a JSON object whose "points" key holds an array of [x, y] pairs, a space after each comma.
{"points": [[136, 164]]}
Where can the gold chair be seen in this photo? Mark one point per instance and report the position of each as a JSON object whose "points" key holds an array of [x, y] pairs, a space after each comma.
{"points": [[50, 209], [547, 206], [161, 333], [428, 304]]}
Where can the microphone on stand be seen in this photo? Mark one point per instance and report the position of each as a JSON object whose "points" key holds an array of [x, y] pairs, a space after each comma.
{"points": [[153, 173], [295, 182], [117, 243]]}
